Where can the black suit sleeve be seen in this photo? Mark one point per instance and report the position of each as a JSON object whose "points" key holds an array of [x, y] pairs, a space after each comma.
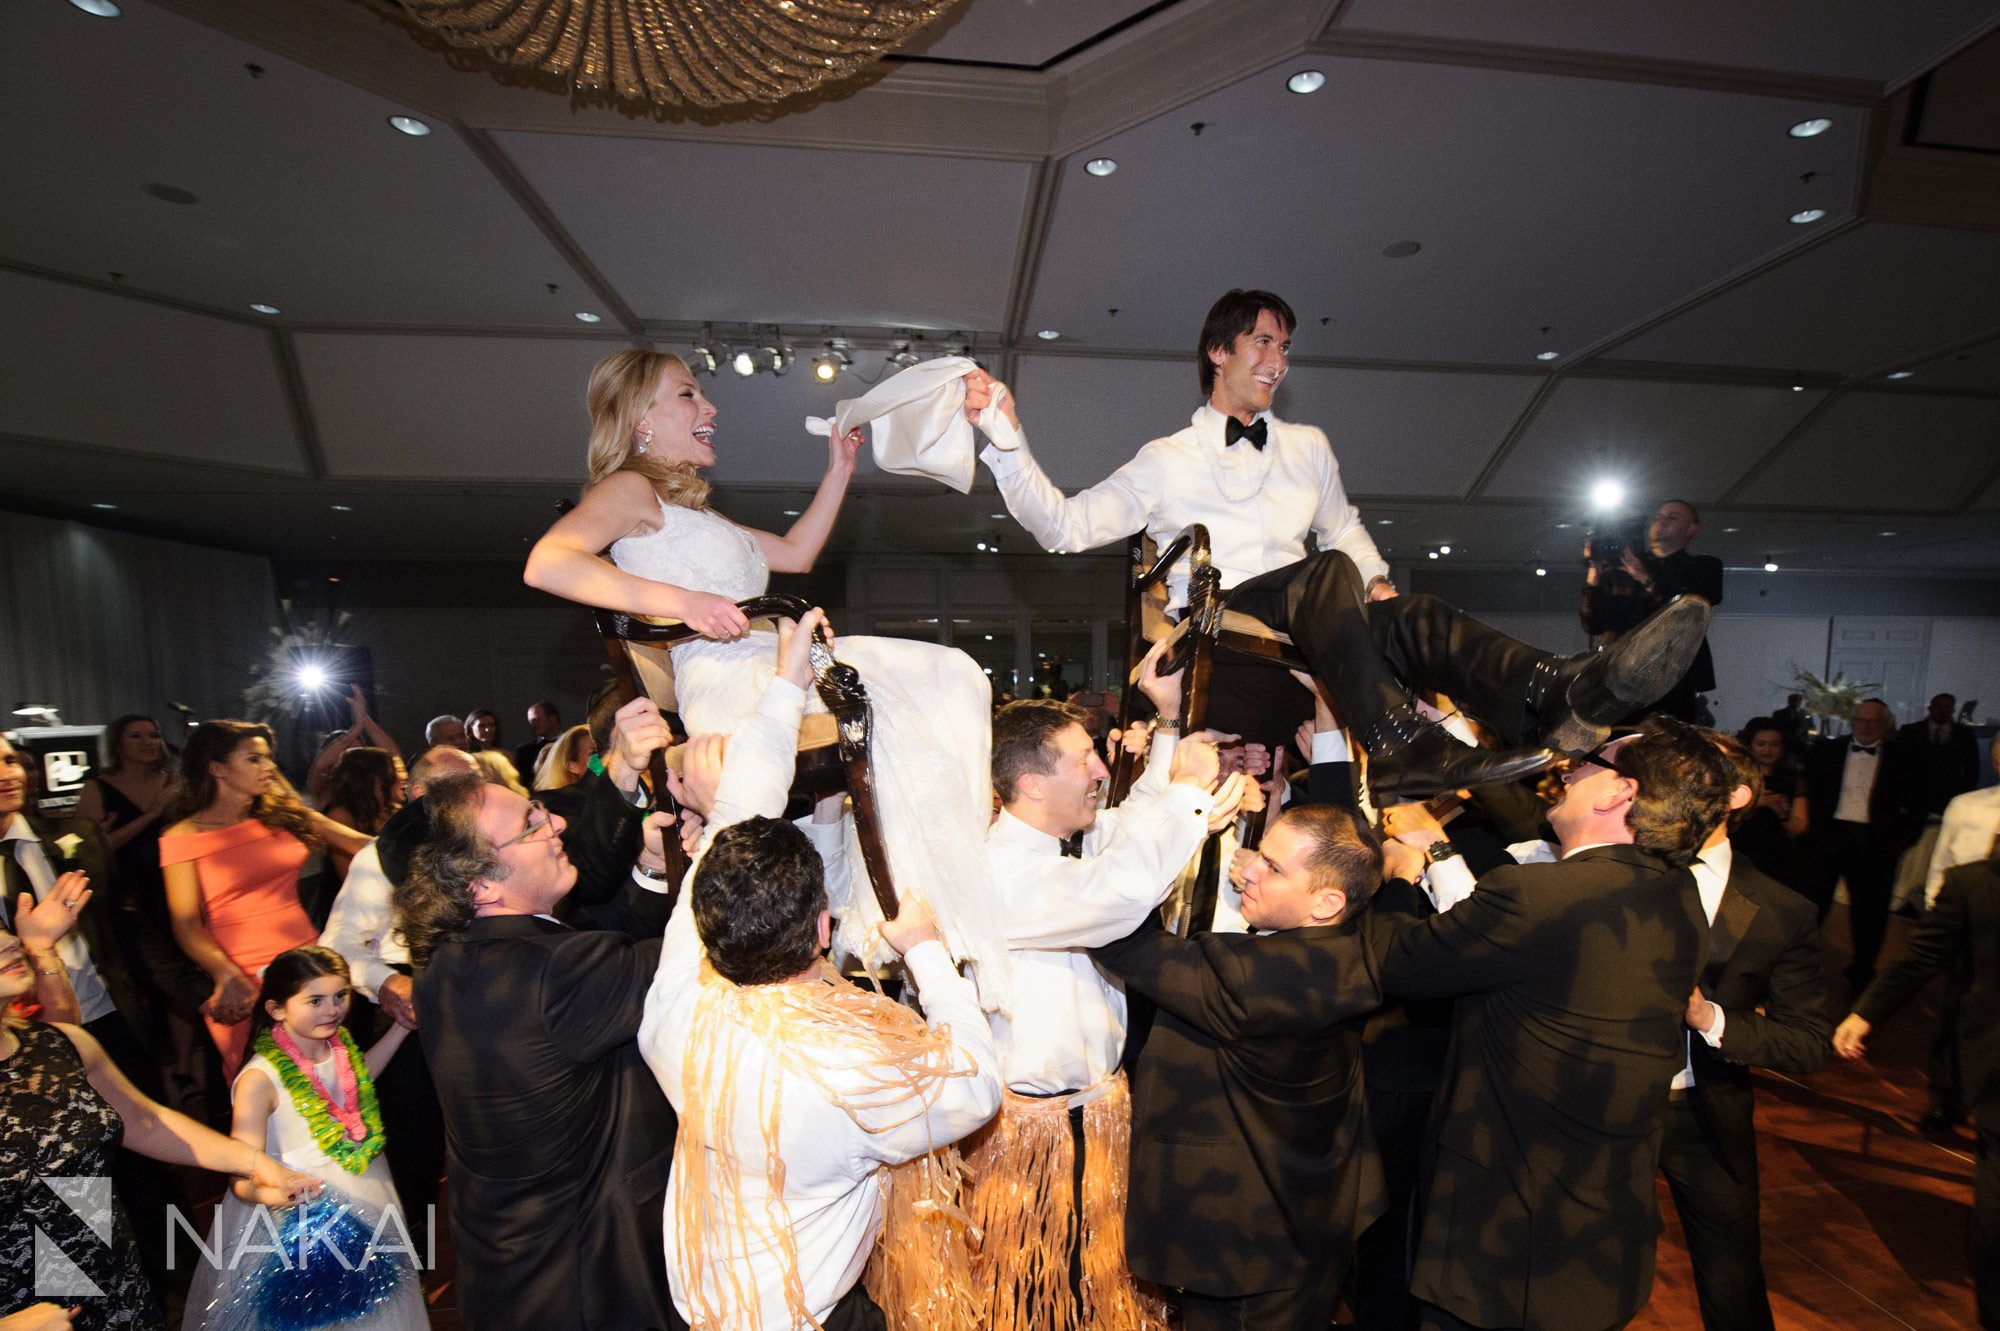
{"points": [[1473, 947], [593, 991], [1216, 984], [1331, 783], [1700, 575], [1945, 931], [602, 838], [1792, 1033]]}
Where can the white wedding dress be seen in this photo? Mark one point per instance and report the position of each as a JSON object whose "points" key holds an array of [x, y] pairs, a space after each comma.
{"points": [[932, 716], [217, 1297]]}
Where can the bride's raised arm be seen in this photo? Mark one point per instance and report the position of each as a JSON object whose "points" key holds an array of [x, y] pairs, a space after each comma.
{"points": [[565, 561], [795, 551]]}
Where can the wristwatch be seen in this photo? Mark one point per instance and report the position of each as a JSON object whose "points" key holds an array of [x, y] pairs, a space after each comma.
{"points": [[1440, 849], [657, 875]]}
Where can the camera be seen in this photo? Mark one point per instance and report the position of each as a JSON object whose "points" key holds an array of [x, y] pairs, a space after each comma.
{"points": [[1609, 539]]}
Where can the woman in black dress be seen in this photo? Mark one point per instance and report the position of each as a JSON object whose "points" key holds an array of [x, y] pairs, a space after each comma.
{"points": [[64, 1108], [1769, 836], [126, 796]]}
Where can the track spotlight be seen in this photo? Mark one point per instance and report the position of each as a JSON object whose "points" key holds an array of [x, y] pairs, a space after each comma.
{"points": [[702, 359], [901, 356], [775, 357], [829, 363], [744, 362]]}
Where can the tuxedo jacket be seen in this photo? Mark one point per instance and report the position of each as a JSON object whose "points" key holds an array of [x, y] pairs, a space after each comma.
{"points": [[1572, 982], [1893, 805], [1963, 924], [111, 925], [602, 840], [560, 1138], [1253, 1168], [1763, 952], [1942, 771]]}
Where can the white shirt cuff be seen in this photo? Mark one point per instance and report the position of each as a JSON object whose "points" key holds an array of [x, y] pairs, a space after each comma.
{"points": [[927, 963], [659, 885], [1449, 882], [1330, 746], [1714, 1033]]}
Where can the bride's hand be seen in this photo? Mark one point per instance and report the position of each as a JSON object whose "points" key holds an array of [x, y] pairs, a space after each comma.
{"points": [[840, 451], [713, 616], [981, 391]]}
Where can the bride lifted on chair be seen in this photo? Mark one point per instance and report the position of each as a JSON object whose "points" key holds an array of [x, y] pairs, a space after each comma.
{"points": [[672, 556]]}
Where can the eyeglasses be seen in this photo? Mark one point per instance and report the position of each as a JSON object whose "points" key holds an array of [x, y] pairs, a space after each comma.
{"points": [[1599, 758], [546, 819]]}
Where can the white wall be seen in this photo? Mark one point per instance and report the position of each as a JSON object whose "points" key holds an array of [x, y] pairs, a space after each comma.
{"points": [[1965, 661]]}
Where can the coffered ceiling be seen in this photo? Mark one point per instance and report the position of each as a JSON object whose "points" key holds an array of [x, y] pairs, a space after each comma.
{"points": [[1473, 188]]}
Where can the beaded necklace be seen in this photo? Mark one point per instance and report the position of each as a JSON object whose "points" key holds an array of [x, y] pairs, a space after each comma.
{"points": [[351, 1132]]}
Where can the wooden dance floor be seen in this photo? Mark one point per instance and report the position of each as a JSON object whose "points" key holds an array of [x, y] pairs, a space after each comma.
{"points": [[1864, 1220]]}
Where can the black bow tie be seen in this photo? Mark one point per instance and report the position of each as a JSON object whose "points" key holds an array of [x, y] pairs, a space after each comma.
{"points": [[1234, 429], [1861, 748]]}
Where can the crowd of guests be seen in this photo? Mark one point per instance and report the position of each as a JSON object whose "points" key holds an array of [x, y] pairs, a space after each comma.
{"points": [[1397, 1055]]}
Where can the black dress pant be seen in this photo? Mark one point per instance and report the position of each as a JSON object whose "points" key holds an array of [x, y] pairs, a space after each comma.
{"points": [[1386, 1252], [1307, 1307], [1866, 858], [1369, 654], [856, 1312], [1986, 1228], [150, 1190], [412, 1119], [1719, 1215]]}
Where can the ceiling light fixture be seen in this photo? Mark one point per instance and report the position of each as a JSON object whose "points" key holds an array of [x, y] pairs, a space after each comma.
{"points": [[1305, 81], [956, 345], [901, 356], [586, 317], [1771, 567], [792, 512], [1434, 554], [1444, 549], [775, 357], [744, 362], [1808, 215], [409, 125], [98, 8], [1810, 129], [1606, 495], [341, 508], [261, 308], [101, 504], [1048, 335], [1547, 355], [1100, 166], [1798, 388], [1903, 374], [1385, 522], [1541, 573], [829, 363], [702, 359], [1885, 533]]}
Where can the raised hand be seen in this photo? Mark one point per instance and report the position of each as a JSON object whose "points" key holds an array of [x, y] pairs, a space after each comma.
{"points": [[840, 452], [1164, 691], [1196, 763], [700, 774], [41, 925], [637, 731], [1229, 800], [982, 391]]}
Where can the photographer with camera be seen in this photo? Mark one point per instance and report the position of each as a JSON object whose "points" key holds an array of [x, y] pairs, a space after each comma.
{"points": [[1631, 570]]}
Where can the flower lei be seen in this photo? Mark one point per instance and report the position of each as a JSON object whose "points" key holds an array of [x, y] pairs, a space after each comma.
{"points": [[351, 1135]]}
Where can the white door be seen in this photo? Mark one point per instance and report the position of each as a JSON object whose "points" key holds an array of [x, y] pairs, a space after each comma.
{"points": [[1891, 654]]}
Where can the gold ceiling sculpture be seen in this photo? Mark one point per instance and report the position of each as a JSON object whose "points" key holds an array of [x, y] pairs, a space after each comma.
{"points": [[681, 53]]}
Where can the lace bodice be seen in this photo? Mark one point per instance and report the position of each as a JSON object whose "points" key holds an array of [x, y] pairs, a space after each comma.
{"points": [[699, 549]]}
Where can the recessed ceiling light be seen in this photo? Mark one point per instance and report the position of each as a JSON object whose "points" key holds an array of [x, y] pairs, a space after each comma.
{"points": [[980, 546], [1732, 529], [744, 362], [1547, 355], [262, 308], [1541, 573], [1100, 166], [1808, 129], [1770, 568], [1808, 215], [989, 637], [1798, 388], [1385, 522], [341, 508], [1903, 374], [1563, 526], [1444, 549], [101, 504], [409, 125], [1402, 249], [996, 516], [1434, 554], [1048, 335], [1885, 533], [1305, 81], [791, 512], [586, 317], [98, 8]]}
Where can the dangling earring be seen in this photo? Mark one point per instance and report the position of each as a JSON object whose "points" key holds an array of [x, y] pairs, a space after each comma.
{"points": [[645, 438]]}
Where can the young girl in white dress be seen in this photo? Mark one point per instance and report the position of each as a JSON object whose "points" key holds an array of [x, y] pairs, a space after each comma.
{"points": [[652, 432], [307, 1096]]}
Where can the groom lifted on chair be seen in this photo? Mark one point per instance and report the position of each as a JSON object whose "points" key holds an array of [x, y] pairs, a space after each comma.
{"points": [[1260, 485]]}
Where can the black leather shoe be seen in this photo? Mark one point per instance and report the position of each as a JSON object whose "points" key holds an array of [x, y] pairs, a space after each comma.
{"points": [[1575, 701], [1412, 759]]}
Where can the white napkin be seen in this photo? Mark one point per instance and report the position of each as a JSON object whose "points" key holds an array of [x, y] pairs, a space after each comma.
{"points": [[918, 415]]}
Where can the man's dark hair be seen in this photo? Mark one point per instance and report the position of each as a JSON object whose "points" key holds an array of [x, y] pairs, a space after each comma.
{"points": [[1024, 741], [1346, 853], [433, 903], [1747, 773], [601, 713], [1684, 788], [757, 898], [1230, 318], [1694, 514], [548, 707]]}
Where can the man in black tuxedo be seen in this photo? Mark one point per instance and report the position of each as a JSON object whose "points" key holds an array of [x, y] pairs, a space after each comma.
{"points": [[1762, 1003], [1961, 929], [1944, 753], [1618, 595], [560, 1139], [1863, 801], [545, 726], [1252, 1166], [1572, 980]]}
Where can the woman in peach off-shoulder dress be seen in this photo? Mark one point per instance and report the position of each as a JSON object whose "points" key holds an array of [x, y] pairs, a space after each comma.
{"points": [[239, 838]]}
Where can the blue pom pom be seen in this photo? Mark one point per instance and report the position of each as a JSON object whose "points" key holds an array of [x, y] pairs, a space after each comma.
{"points": [[328, 1274]]}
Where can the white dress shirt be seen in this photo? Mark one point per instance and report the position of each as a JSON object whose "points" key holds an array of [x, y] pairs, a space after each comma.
{"points": [[1971, 821], [1857, 783], [831, 1200], [1258, 504], [1067, 1028], [361, 925], [1711, 878], [93, 1000]]}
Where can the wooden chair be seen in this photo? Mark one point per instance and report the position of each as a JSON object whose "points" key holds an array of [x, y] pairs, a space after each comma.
{"points": [[834, 747]]}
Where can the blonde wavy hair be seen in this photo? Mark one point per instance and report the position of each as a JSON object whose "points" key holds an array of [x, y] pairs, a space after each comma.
{"points": [[621, 391]]}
